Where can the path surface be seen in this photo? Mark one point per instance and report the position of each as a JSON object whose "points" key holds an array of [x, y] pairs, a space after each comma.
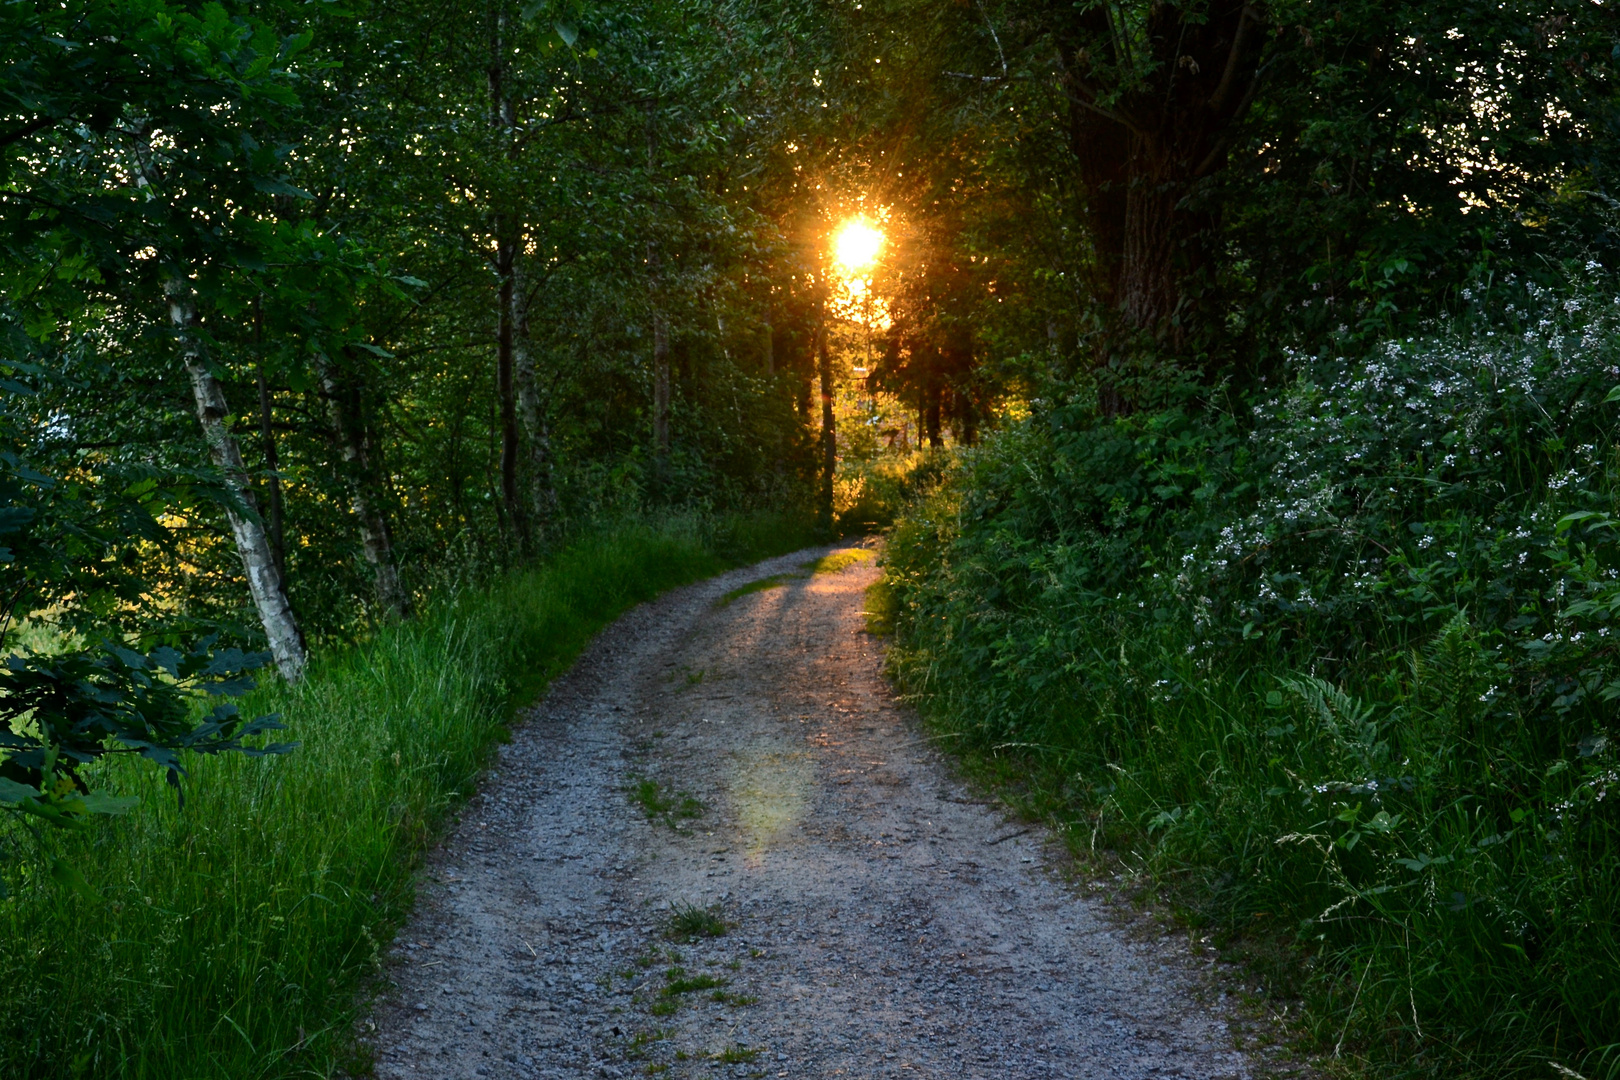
{"points": [[881, 922]]}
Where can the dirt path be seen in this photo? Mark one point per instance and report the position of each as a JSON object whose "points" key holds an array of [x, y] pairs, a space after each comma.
{"points": [[880, 921]]}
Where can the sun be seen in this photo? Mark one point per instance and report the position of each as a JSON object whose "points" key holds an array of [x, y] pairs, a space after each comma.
{"points": [[856, 245]]}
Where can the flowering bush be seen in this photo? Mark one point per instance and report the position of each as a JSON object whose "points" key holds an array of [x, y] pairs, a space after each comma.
{"points": [[1342, 654]]}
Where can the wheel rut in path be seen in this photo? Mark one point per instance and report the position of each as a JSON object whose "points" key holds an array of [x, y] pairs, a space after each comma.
{"points": [[880, 921]]}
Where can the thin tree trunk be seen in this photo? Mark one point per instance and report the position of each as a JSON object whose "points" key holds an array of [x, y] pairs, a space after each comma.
{"points": [[348, 428], [542, 488], [272, 465], [770, 341], [931, 414], [829, 423], [504, 388], [503, 120], [661, 388], [660, 322], [258, 561]]}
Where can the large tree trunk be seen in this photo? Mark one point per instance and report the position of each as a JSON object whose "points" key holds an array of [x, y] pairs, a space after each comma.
{"points": [[258, 560], [829, 422], [1140, 154], [542, 487], [350, 432]]}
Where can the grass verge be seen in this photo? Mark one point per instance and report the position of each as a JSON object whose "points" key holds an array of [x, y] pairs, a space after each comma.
{"points": [[232, 935]]}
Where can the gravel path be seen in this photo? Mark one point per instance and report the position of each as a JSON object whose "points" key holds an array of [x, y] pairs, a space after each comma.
{"points": [[878, 920]]}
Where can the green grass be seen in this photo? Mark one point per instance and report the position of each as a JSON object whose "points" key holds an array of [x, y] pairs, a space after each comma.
{"points": [[834, 561], [686, 984], [830, 563], [688, 922], [761, 585], [232, 936], [671, 808]]}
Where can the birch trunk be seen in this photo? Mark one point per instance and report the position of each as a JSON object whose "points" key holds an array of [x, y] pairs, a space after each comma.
{"points": [[272, 465], [376, 536], [258, 559]]}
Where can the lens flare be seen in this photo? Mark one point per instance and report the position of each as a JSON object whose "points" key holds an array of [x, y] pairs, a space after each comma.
{"points": [[856, 245]]}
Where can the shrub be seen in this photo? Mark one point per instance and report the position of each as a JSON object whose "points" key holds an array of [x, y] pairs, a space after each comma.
{"points": [[1337, 663]]}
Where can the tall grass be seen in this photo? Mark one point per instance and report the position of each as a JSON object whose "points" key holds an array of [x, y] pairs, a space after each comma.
{"points": [[232, 933], [1339, 680]]}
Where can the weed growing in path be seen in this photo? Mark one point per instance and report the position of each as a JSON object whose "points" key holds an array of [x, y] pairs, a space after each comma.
{"points": [[835, 561], [830, 563], [757, 586], [688, 922], [671, 808]]}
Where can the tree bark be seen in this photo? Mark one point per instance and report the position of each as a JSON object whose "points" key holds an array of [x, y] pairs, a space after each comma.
{"points": [[258, 560], [829, 422], [272, 465], [1139, 154], [660, 359], [933, 399], [346, 419], [503, 120], [505, 387], [770, 341], [542, 487]]}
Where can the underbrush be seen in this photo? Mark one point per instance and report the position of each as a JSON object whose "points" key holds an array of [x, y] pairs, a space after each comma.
{"points": [[870, 493], [1332, 669], [231, 934]]}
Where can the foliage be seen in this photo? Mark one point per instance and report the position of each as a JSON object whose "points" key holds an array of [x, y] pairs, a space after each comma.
{"points": [[229, 938], [68, 543], [64, 712], [1335, 666]]}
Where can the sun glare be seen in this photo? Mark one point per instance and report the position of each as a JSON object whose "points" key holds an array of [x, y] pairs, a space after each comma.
{"points": [[856, 244]]}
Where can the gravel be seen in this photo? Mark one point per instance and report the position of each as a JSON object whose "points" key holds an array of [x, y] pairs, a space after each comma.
{"points": [[879, 920]]}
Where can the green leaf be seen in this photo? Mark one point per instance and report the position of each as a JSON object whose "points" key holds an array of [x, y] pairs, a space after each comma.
{"points": [[13, 792], [568, 32], [99, 802], [67, 875], [1568, 521]]}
